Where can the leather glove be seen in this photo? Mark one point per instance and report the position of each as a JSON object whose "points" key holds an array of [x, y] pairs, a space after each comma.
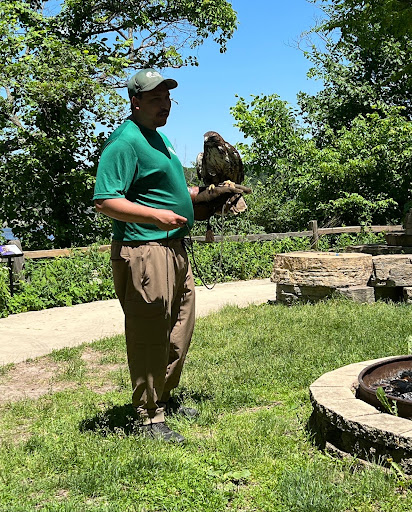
{"points": [[209, 201], [219, 194]]}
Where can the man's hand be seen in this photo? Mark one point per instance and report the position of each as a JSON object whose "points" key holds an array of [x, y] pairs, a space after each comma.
{"points": [[166, 220]]}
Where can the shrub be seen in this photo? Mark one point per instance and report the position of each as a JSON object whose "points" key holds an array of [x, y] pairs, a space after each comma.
{"points": [[4, 290], [64, 281]]}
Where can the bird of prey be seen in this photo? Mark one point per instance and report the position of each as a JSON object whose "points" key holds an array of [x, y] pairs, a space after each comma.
{"points": [[220, 164]]}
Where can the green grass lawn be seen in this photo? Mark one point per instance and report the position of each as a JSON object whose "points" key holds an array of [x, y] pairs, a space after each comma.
{"points": [[68, 434]]}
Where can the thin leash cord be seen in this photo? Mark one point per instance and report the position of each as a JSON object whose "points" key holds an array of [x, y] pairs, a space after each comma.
{"points": [[209, 287], [168, 301]]}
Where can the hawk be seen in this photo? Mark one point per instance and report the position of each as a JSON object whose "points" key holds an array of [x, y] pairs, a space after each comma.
{"points": [[220, 164]]}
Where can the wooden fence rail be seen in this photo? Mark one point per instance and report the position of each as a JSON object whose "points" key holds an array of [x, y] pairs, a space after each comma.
{"points": [[313, 233]]}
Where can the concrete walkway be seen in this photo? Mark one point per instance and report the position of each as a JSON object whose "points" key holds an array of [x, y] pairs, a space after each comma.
{"points": [[36, 333]]}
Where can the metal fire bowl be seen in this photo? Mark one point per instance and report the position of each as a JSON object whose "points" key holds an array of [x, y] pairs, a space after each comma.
{"points": [[384, 370]]}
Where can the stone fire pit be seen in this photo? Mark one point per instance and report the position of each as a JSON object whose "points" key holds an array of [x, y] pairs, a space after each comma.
{"points": [[395, 379], [341, 422]]}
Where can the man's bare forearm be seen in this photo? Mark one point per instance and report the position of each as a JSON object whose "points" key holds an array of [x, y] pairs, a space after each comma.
{"points": [[124, 210]]}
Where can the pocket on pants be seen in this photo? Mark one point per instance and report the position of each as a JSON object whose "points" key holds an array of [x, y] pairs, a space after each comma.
{"points": [[146, 325], [137, 306], [134, 256]]}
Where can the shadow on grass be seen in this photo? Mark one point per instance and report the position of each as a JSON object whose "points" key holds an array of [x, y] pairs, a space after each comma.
{"points": [[124, 419], [184, 394], [120, 418]]}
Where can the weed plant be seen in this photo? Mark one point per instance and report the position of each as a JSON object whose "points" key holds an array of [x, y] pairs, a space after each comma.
{"points": [[86, 277], [248, 373]]}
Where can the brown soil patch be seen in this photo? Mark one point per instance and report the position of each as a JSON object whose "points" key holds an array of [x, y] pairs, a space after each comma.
{"points": [[33, 379]]}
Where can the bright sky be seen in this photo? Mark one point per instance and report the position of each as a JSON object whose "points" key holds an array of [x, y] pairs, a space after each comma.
{"points": [[262, 57]]}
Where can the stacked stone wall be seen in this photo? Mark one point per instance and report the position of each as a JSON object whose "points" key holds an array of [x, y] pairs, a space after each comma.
{"points": [[312, 276]]}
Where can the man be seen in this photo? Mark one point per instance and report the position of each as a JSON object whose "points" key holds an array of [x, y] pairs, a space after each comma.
{"points": [[141, 185]]}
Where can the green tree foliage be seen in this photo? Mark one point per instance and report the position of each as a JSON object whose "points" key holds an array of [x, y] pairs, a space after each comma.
{"points": [[272, 126], [61, 65], [362, 175], [277, 147], [365, 63], [191, 176]]}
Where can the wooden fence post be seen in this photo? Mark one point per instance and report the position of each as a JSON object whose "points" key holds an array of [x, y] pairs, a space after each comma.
{"points": [[314, 241]]}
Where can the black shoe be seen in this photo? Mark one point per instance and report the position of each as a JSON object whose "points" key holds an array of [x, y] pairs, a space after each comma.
{"points": [[172, 407], [161, 431], [188, 412]]}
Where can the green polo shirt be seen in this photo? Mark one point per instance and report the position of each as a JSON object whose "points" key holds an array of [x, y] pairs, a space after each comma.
{"points": [[141, 165]]}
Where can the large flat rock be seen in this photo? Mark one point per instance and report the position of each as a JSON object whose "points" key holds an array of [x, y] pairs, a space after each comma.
{"points": [[392, 270], [334, 270]]}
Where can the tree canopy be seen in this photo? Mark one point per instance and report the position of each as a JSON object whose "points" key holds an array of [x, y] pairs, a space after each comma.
{"points": [[365, 62], [61, 66], [63, 62]]}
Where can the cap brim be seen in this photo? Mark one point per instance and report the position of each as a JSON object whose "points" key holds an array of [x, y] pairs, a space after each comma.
{"points": [[171, 84]]}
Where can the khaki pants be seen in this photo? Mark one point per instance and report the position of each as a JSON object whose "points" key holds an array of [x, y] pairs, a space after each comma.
{"points": [[154, 284]]}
